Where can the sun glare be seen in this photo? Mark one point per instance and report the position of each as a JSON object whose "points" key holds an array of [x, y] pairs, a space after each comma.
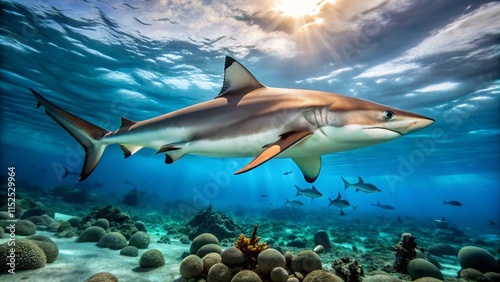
{"points": [[301, 8]]}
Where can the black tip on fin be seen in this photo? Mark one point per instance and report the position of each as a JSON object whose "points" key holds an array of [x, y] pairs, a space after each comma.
{"points": [[168, 159], [126, 151]]}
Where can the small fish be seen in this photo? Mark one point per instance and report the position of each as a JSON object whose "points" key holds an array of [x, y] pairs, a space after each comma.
{"points": [[295, 203], [339, 202], [400, 220], [384, 207], [263, 195], [68, 172], [361, 185], [491, 223], [287, 172], [309, 192], [452, 203], [342, 213]]}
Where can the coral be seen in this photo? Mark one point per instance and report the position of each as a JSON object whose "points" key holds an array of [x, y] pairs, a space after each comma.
{"points": [[102, 277], [250, 248], [208, 248], [129, 251], [319, 249], [381, 278], [219, 272], [25, 228], [27, 256], [201, 240], [37, 211], [441, 249], [210, 260], [232, 256], [321, 238], [140, 226], [118, 221], [279, 274], [268, 259], [477, 258], [246, 276], [349, 269], [418, 268], [91, 234], [140, 240], [297, 243], [152, 258], [191, 266], [112, 240], [218, 224], [102, 222], [306, 261], [470, 274], [404, 251], [47, 245], [321, 276], [132, 198]]}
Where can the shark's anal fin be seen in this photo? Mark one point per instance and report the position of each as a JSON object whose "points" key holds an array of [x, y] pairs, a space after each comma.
{"points": [[309, 166], [286, 140]]}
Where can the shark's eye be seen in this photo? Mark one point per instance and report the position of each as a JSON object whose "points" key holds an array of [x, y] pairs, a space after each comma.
{"points": [[388, 115]]}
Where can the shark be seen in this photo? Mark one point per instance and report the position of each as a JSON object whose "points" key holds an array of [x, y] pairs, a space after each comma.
{"points": [[384, 207], [308, 192], [361, 186], [248, 119]]}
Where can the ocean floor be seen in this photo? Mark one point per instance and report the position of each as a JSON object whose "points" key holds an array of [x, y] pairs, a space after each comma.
{"points": [[371, 246]]}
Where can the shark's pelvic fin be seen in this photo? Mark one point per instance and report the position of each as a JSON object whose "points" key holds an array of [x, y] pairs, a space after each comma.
{"points": [[309, 167], [86, 133], [237, 78], [271, 150], [129, 150]]}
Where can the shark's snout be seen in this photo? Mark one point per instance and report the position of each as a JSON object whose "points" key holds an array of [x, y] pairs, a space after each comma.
{"points": [[418, 124]]}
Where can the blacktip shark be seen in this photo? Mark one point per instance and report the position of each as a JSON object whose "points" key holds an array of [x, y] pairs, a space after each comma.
{"points": [[249, 119], [384, 207], [308, 192], [361, 186], [340, 202]]}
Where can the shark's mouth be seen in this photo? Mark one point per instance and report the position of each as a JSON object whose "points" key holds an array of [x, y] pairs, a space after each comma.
{"points": [[385, 128]]}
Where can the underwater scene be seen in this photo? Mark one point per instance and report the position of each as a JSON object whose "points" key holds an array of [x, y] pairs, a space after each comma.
{"points": [[247, 141]]}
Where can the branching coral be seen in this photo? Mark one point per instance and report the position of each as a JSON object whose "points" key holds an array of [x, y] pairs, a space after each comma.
{"points": [[250, 248]]}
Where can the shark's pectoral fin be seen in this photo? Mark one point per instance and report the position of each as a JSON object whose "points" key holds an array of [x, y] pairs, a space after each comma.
{"points": [[309, 166], [271, 150]]}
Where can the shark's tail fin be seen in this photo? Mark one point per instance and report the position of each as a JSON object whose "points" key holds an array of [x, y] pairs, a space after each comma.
{"points": [[355, 207], [299, 192], [346, 184], [86, 133]]}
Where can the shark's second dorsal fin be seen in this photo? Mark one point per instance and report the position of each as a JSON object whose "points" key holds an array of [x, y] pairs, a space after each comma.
{"points": [[127, 122], [237, 78]]}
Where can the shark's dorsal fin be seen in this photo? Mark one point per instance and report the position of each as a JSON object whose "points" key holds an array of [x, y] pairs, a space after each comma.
{"points": [[309, 166], [286, 140], [126, 122], [237, 79], [360, 179], [339, 196]]}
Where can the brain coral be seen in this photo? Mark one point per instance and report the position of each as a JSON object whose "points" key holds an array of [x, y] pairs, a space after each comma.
{"points": [[27, 256]]}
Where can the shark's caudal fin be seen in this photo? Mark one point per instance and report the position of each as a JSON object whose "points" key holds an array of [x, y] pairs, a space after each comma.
{"points": [[86, 133]]}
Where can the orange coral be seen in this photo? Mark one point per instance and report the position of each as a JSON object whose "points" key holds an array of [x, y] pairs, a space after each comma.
{"points": [[250, 248]]}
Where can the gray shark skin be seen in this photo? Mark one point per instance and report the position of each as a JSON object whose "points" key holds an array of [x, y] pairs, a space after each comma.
{"points": [[249, 119]]}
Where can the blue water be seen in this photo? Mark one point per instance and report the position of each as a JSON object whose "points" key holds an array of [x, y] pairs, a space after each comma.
{"points": [[136, 59]]}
